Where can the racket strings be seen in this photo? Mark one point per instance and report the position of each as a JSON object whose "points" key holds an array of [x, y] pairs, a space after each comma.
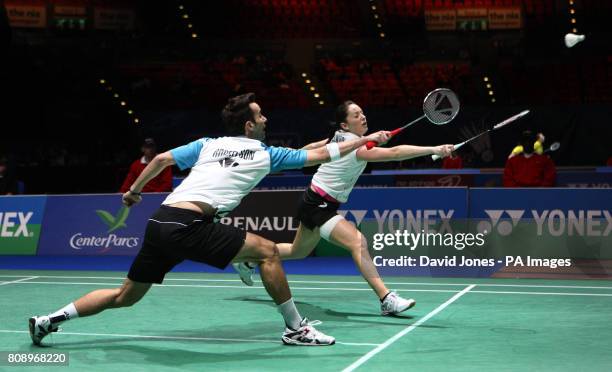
{"points": [[441, 106]]}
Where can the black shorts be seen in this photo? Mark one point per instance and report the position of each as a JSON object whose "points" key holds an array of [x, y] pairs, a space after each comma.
{"points": [[174, 235], [314, 210]]}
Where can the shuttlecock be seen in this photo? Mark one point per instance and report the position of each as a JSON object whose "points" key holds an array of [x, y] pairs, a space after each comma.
{"points": [[573, 39]]}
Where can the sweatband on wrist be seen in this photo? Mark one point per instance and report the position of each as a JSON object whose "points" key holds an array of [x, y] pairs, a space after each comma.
{"points": [[334, 151]]}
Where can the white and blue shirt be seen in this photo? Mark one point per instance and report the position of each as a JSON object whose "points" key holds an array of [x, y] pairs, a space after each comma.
{"points": [[224, 170]]}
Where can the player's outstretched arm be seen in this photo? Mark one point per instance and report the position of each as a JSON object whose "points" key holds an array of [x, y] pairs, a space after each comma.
{"points": [[334, 151], [402, 152], [316, 145], [155, 167]]}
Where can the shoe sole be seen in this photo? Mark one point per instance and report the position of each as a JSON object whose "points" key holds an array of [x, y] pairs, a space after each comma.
{"points": [[294, 343], [386, 313], [32, 324], [244, 281]]}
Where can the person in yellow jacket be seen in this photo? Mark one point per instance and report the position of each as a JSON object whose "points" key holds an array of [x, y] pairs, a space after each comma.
{"points": [[538, 146]]}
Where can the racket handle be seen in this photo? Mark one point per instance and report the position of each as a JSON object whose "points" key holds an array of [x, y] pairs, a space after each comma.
{"points": [[371, 144], [455, 148]]}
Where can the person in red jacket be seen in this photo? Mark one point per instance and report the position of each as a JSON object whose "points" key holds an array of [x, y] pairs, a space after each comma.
{"points": [[529, 169], [161, 183], [453, 161]]}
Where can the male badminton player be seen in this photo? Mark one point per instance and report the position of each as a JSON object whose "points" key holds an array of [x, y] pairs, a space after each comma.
{"points": [[330, 187], [223, 171]]}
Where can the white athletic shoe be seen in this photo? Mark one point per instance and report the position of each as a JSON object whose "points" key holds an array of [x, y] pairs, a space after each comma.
{"points": [[394, 304], [245, 272], [40, 326], [307, 335]]}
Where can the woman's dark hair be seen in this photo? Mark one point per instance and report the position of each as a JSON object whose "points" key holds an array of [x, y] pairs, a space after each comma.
{"points": [[238, 111], [342, 112], [340, 115]]}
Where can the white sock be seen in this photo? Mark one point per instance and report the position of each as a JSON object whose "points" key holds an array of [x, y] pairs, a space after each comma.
{"points": [[65, 313], [290, 314]]}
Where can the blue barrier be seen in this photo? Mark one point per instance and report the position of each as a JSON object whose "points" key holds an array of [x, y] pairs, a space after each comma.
{"points": [[566, 177], [545, 222], [95, 225], [98, 224], [538, 199]]}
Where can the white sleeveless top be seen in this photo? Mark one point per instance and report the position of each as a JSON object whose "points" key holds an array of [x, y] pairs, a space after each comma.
{"points": [[337, 178]]}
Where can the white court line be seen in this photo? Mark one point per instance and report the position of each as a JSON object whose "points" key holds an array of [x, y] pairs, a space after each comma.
{"points": [[19, 281], [546, 293], [397, 336], [182, 338], [334, 289], [238, 287], [330, 282]]}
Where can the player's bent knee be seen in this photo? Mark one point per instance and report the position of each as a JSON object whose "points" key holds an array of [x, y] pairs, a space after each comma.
{"points": [[271, 251], [128, 300], [265, 250], [130, 293], [326, 229], [359, 244]]}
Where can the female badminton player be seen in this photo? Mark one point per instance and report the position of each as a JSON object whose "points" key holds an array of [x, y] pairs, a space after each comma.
{"points": [[330, 187]]}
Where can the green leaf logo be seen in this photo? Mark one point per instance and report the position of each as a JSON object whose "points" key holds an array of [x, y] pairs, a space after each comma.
{"points": [[114, 222]]}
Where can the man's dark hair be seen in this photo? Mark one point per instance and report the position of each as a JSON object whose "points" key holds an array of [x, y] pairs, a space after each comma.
{"points": [[527, 140], [237, 112]]}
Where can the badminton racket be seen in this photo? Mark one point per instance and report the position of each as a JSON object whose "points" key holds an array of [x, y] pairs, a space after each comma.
{"points": [[440, 107], [495, 127]]}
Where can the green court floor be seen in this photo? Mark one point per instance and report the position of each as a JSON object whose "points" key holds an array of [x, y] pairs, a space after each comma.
{"points": [[209, 322]]}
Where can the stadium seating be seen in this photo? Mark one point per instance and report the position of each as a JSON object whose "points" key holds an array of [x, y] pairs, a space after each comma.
{"points": [[208, 83], [271, 19]]}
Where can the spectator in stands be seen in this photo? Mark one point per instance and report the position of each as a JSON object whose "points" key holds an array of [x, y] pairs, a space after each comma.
{"points": [[161, 183], [538, 146], [8, 183], [529, 169], [364, 68], [453, 161]]}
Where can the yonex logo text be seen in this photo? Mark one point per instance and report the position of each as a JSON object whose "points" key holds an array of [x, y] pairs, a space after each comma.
{"points": [[414, 220], [14, 224], [554, 222]]}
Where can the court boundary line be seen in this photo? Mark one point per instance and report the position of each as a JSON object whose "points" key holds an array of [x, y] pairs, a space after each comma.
{"points": [[183, 338], [407, 330], [328, 282], [24, 278], [331, 289]]}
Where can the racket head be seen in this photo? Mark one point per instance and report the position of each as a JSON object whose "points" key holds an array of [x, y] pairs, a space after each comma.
{"points": [[441, 106], [554, 147]]}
